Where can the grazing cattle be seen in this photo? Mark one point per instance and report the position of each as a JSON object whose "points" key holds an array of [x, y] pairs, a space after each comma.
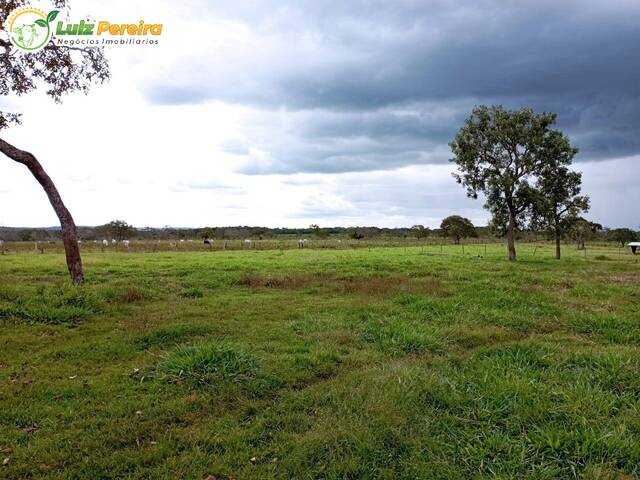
{"points": [[634, 247], [126, 243], [114, 241], [301, 242], [207, 241], [247, 241], [105, 243]]}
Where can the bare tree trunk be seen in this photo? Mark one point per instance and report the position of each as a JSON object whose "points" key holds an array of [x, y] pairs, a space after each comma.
{"points": [[511, 241], [557, 235], [69, 231]]}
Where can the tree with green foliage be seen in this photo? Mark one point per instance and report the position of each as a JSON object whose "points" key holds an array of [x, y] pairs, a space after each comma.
{"points": [[582, 230], [457, 228], [118, 230], [498, 152], [61, 69], [558, 202], [356, 235], [420, 231], [317, 231], [622, 236]]}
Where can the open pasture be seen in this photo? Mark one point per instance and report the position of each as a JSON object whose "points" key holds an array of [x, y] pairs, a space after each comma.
{"points": [[385, 363]]}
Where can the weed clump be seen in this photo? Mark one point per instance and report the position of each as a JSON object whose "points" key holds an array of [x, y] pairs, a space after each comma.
{"points": [[257, 281], [192, 292], [170, 335], [57, 305], [210, 363], [125, 295]]}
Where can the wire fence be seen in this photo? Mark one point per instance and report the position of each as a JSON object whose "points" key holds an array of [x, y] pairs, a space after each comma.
{"points": [[431, 246]]}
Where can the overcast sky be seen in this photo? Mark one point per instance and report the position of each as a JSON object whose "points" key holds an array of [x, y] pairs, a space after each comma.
{"points": [[287, 113]]}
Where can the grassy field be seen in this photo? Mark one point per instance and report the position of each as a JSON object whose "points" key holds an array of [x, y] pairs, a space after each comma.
{"points": [[386, 363]]}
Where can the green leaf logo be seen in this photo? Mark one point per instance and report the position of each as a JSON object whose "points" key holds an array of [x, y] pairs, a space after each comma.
{"points": [[52, 15], [41, 23]]}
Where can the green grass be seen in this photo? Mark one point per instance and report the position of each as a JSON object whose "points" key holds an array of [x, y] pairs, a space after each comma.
{"points": [[388, 363]]}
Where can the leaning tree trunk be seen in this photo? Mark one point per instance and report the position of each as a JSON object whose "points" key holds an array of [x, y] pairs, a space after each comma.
{"points": [[69, 231], [511, 241]]}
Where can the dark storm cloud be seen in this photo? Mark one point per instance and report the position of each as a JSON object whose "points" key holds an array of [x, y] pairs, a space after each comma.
{"points": [[377, 85]]}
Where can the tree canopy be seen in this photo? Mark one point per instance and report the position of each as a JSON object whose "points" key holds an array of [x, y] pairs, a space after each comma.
{"points": [[420, 231], [59, 69], [501, 153], [117, 230], [583, 230], [622, 235], [457, 228]]}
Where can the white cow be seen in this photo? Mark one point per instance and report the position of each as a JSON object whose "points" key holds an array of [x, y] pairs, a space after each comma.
{"points": [[126, 243], [105, 243], [113, 241], [247, 241]]}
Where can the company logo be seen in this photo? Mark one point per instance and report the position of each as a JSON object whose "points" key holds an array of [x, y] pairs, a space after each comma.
{"points": [[30, 29]]}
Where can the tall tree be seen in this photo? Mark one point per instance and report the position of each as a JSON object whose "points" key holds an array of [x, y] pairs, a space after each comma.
{"points": [[497, 153], [457, 227], [62, 70], [558, 202]]}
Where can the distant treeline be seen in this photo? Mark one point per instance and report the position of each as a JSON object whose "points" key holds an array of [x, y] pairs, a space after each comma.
{"points": [[229, 233], [121, 230]]}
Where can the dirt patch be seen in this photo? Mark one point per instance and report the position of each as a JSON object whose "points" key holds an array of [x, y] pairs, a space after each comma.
{"points": [[625, 279], [374, 286], [286, 282], [131, 295], [469, 336], [391, 285]]}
